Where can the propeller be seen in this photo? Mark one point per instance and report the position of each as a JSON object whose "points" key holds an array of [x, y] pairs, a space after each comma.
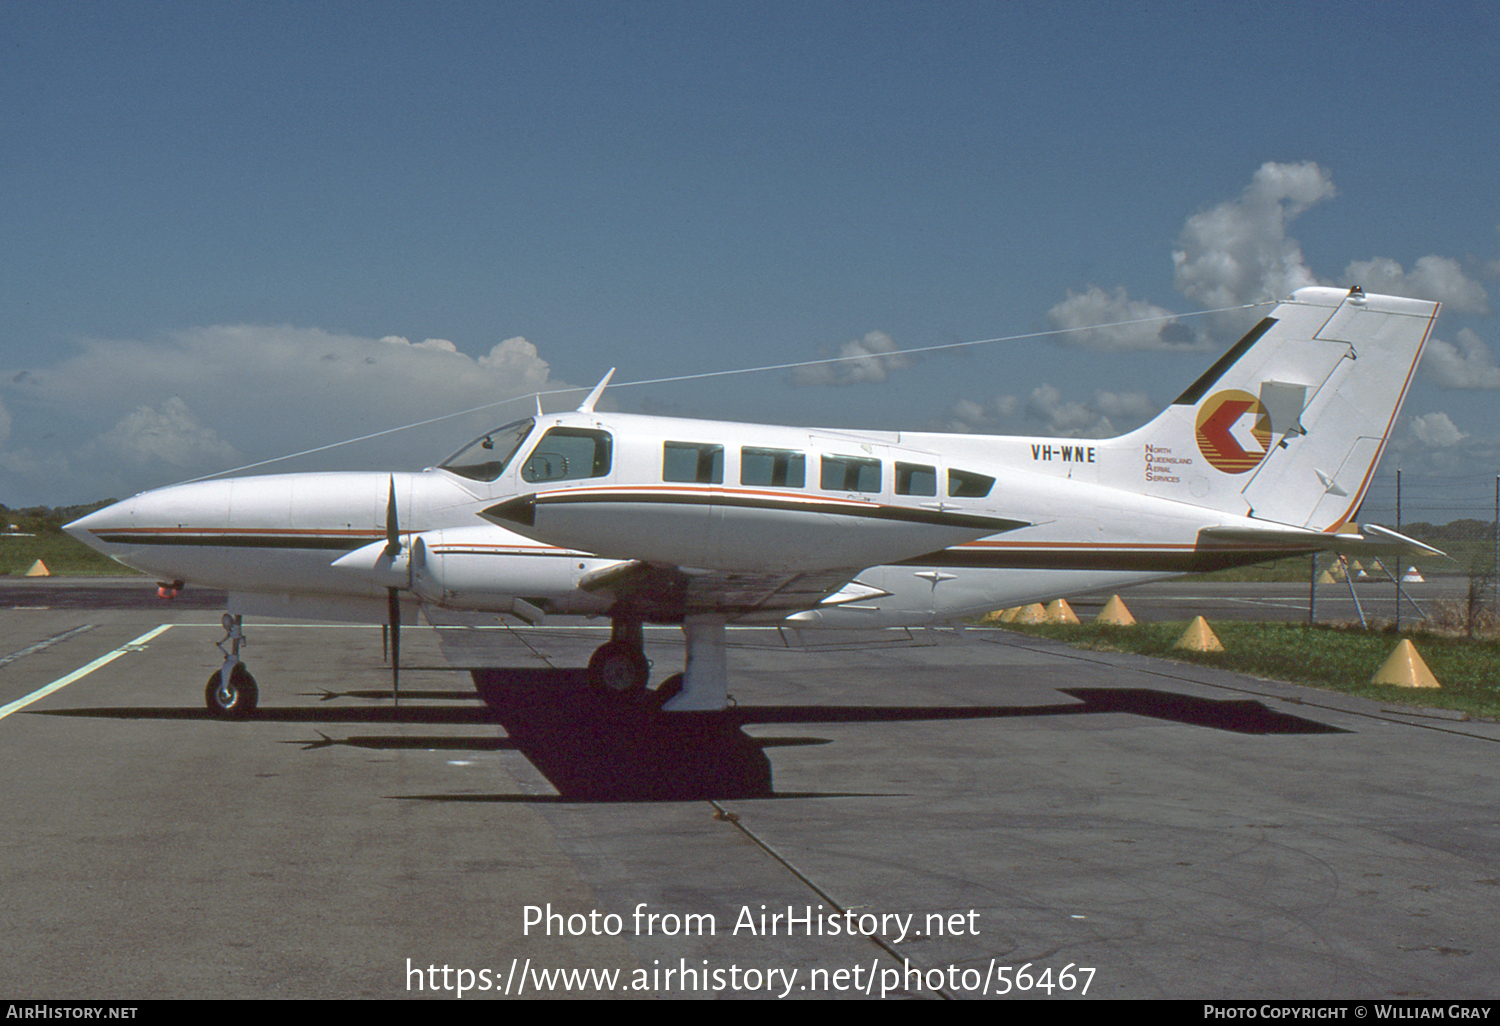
{"points": [[392, 594]]}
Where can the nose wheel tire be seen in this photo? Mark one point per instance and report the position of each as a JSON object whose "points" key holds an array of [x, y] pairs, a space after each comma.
{"points": [[235, 700], [618, 668]]}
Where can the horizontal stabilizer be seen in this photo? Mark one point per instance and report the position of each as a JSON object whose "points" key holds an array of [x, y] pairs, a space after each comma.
{"points": [[1379, 538], [1373, 541]]}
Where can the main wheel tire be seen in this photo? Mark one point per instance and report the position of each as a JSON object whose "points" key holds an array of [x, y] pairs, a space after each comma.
{"points": [[237, 700], [618, 668]]}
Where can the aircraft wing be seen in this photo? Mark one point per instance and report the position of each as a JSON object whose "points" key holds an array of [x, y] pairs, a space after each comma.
{"points": [[662, 592], [760, 531]]}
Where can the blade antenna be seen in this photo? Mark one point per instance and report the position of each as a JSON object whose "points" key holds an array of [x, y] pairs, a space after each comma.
{"points": [[588, 404]]}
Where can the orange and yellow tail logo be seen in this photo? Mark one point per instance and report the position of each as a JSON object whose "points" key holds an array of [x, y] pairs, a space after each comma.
{"points": [[1223, 436]]}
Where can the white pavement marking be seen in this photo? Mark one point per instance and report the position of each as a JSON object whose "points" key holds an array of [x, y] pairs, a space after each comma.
{"points": [[82, 671]]}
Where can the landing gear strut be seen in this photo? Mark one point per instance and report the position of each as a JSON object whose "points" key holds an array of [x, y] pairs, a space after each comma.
{"points": [[705, 678], [619, 666], [231, 693]]}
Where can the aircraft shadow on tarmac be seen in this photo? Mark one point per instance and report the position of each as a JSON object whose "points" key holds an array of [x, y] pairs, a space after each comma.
{"points": [[597, 748]]}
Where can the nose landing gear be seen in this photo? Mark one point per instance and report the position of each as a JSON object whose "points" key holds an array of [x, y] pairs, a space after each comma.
{"points": [[231, 693]]}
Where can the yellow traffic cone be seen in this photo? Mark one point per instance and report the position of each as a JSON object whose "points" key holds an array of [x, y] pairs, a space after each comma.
{"points": [[1115, 613], [1034, 613], [1060, 612], [1326, 578], [39, 569], [1199, 637], [1405, 669]]}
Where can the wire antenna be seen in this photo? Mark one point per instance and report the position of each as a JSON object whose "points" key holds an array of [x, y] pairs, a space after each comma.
{"points": [[793, 365]]}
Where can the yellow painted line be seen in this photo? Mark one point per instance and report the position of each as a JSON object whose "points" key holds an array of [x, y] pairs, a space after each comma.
{"points": [[82, 671]]}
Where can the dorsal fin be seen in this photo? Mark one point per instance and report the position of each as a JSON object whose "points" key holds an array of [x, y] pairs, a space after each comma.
{"points": [[588, 404]]}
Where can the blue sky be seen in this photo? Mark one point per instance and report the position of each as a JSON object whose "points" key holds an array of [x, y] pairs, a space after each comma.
{"points": [[237, 230]]}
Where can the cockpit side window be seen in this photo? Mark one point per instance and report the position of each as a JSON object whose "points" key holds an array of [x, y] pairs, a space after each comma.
{"points": [[568, 454], [485, 459]]}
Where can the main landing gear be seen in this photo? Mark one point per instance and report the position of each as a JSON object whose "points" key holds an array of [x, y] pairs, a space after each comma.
{"points": [[620, 666], [231, 693]]}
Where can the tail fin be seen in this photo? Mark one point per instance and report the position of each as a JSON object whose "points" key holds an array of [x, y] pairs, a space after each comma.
{"points": [[1289, 425]]}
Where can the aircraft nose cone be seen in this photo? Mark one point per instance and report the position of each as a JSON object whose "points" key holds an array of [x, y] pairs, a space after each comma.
{"points": [[89, 528]]}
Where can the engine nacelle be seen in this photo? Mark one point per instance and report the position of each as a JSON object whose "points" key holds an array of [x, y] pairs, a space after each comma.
{"points": [[490, 569]]}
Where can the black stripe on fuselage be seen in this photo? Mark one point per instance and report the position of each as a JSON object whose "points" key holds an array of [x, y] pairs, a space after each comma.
{"points": [[872, 510], [242, 541], [1180, 561]]}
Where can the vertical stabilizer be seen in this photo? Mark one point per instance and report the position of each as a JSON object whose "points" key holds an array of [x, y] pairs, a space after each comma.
{"points": [[1289, 425]]}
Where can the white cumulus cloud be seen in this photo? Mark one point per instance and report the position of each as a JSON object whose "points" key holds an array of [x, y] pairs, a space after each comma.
{"points": [[1046, 412], [861, 360], [1066, 418], [1437, 430], [1239, 251], [1464, 363], [168, 434], [121, 415], [1112, 321], [1432, 277], [1230, 255]]}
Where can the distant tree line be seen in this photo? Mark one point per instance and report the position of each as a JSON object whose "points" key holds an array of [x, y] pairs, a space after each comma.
{"points": [[46, 519], [1465, 529]]}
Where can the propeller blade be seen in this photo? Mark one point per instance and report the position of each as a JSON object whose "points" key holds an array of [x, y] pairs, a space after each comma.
{"points": [[392, 523], [393, 609]]}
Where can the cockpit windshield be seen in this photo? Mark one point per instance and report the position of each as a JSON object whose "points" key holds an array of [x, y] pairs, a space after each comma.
{"points": [[485, 458]]}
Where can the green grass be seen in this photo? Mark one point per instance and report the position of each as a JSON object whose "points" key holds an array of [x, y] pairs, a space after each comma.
{"points": [[1340, 659], [1295, 568], [62, 554]]}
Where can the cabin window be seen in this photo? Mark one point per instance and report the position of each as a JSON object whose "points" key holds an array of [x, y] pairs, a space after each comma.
{"points": [[850, 474], [965, 484], [484, 459], [693, 461], [915, 479], [781, 467], [568, 454]]}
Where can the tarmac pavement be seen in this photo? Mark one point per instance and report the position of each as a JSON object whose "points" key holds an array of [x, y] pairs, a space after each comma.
{"points": [[962, 803]]}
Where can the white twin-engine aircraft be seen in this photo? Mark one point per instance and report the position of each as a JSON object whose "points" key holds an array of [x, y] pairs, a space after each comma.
{"points": [[705, 523]]}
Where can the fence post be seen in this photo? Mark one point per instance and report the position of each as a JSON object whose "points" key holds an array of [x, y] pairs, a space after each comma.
{"points": [[1397, 578], [1312, 592]]}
